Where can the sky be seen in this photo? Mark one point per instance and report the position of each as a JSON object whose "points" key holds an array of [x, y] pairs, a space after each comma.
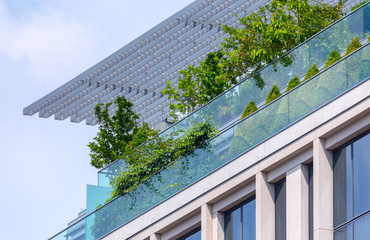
{"points": [[45, 163]]}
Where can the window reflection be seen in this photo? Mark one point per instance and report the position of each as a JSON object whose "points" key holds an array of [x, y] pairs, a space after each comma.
{"points": [[352, 190], [240, 223], [194, 235]]}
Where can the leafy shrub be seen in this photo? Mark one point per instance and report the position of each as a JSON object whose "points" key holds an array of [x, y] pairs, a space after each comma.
{"points": [[251, 108], [264, 37], [358, 5], [293, 83], [311, 72], [273, 94], [368, 39], [334, 56], [353, 46], [158, 154]]}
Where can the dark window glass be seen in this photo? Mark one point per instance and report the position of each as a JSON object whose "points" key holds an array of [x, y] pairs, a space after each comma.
{"points": [[361, 175], [344, 233], [194, 235], [352, 190], [310, 202], [362, 228], [233, 225], [280, 210], [240, 223], [249, 220], [342, 185]]}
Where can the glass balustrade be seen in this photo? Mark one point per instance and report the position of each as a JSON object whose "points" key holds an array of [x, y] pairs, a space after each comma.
{"points": [[229, 106], [236, 140]]}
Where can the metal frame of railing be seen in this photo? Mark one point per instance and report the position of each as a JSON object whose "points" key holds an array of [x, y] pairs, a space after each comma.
{"points": [[236, 123]]}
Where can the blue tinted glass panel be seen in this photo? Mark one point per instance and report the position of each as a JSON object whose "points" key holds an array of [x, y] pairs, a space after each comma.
{"points": [[362, 228], [280, 210], [342, 185], [310, 202], [249, 220], [343, 233], [233, 225], [361, 175], [195, 236], [236, 218]]}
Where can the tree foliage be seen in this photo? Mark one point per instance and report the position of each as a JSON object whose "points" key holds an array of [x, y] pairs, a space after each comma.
{"points": [[251, 108], [293, 83], [198, 85], [355, 44], [264, 36], [359, 5], [311, 72], [273, 94], [274, 30], [118, 135], [334, 56]]}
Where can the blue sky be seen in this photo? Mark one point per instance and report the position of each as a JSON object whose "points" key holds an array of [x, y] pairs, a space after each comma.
{"points": [[45, 163]]}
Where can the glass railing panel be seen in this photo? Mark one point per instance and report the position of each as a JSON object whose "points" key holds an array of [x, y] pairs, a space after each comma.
{"points": [[105, 175], [231, 143], [231, 104], [95, 196]]}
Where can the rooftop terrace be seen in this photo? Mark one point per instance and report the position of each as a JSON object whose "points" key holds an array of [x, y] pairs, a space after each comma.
{"points": [[239, 136]]}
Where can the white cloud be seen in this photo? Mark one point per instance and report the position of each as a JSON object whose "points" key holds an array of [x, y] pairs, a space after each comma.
{"points": [[47, 42]]}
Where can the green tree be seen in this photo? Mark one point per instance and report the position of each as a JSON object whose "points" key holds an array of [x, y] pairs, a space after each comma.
{"points": [[117, 134], [274, 30], [311, 72], [273, 94], [251, 108], [198, 85], [334, 56], [355, 44], [293, 83], [264, 37]]}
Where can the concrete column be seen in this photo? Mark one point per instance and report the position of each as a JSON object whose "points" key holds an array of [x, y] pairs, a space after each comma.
{"points": [[265, 208], [297, 203], [218, 226], [322, 191], [207, 222], [155, 236]]}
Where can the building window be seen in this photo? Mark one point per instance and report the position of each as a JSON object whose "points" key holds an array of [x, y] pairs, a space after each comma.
{"points": [[240, 222], [310, 201], [352, 190], [193, 235], [280, 210]]}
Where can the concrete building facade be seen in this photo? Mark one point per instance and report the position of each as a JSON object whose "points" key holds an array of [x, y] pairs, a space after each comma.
{"points": [[298, 168]]}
